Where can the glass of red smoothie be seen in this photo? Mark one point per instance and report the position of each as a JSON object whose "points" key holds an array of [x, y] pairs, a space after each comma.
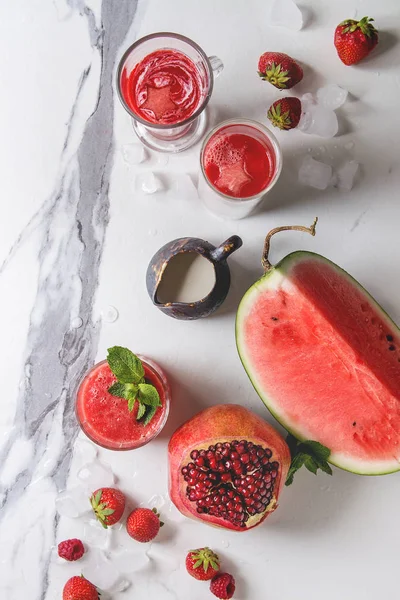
{"points": [[164, 81], [106, 419], [241, 161]]}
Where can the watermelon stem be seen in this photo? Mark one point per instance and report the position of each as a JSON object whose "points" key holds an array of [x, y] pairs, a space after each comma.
{"points": [[264, 260]]}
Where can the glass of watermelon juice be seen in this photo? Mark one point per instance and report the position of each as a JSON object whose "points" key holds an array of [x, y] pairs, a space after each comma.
{"points": [[164, 81], [106, 419], [241, 161]]}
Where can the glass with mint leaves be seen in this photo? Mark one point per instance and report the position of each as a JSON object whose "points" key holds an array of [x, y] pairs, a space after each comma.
{"points": [[123, 401]]}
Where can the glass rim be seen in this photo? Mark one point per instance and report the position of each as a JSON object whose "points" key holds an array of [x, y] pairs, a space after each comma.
{"points": [[167, 394], [278, 153], [182, 38]]}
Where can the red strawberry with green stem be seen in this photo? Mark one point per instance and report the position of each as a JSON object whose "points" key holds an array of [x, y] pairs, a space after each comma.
{"points": [[202, 564], [108, 505], [285, 113], [143, 524], [354, 40], [279, 69], [79, 588]]}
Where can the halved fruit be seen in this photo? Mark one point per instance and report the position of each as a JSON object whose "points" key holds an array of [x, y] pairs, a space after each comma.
{"points": [[325, 359], [227, 467]]}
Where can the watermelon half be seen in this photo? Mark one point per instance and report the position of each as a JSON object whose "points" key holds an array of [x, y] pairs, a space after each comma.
{"points": [[325, 359]]}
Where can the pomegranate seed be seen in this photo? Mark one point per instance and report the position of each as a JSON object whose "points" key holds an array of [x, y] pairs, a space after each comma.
{"points": [[228, 465], [200, 461], [275, 465], [211, 448], [245, 458], [225, 477], [240, 448]]}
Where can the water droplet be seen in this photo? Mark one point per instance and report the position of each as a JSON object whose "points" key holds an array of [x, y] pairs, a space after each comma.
{"points": [[109, 314], [76, 323], [225, 544]]}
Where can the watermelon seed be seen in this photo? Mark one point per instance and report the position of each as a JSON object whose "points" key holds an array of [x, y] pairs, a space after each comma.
{"points": [[389, 338], [274, 318], [391, 347], [354, 424]]}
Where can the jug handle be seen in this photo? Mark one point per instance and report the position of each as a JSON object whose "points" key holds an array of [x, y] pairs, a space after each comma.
{"points": [[226, 248]]}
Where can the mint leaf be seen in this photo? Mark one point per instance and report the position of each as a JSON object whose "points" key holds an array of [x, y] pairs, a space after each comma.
{"points": [[125, 365], [296, 464], [149, 395], [141, 411], [150, 412], [311, 465], [320, 452], [311, 454], [131, 403], [124, 390]]}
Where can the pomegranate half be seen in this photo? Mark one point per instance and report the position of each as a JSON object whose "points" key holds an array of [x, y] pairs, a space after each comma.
{"points": [[227, 467]]}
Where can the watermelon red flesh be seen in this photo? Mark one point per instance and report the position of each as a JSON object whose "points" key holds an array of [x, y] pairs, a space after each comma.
{"points": [[325, 359]]}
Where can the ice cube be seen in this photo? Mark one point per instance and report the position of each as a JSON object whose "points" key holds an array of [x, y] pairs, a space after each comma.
{"points": [[157, 501], [307, 100], [73, 503], [95, 475], [162, 159], [100, 570], [121, 586], [109, 314], [148, 182], [96, 536], [85, 450], [319, 120], [133, 154], [286, 13], [130, 561], [173, 514], [314, 173], [233, 178], [331, 96], [76, 322], [183, 187], [346, 175]]}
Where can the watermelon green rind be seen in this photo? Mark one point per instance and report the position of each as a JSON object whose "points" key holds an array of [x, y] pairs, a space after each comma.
{"points": [[271, 279]]}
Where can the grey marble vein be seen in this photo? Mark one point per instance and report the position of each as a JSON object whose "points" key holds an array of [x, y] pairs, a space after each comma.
{"points": [[56, 355]]}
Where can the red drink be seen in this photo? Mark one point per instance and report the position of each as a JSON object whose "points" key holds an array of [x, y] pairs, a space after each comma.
{"points": [[106, 419], [239, 161], [165, 87]]}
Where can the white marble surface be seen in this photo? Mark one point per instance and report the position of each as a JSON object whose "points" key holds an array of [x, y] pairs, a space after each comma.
{"points": [[76, 237]]}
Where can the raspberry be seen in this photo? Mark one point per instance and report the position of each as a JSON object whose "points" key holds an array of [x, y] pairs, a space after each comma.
{"points": [[223, 586], [71, 549]]}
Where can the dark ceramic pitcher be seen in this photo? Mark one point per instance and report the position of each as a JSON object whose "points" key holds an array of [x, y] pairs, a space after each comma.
{"points": [[218, 258]]}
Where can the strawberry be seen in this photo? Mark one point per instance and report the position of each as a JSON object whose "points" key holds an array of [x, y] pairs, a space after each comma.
{"points": [[279, 69], [143, 524], [223, 586], [79, 588], [354, 40], [108, 505], [202, 564], [285, 113], [71, 549]]}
